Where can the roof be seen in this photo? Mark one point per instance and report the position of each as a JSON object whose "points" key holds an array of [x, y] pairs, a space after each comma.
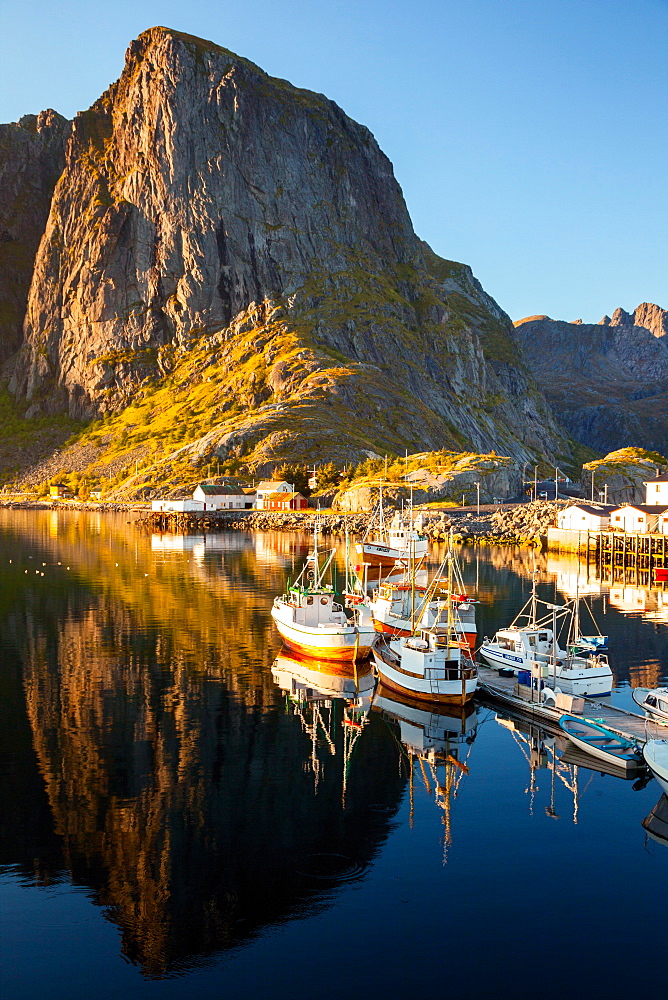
{"points": [[591, 508], [645, 508], [658, 479], [214, 490], [284, 497], [271, 484]]}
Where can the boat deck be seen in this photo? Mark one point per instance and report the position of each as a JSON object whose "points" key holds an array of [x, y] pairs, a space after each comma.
{"points": [[497, 690]]}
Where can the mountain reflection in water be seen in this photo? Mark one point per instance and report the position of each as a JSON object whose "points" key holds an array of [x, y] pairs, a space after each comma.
{"points": [[173, 773], [162, 752]]}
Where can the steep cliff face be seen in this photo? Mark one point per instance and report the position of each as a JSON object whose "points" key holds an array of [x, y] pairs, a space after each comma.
{"points": [[32, 157], [607, 383], [219, 229]]}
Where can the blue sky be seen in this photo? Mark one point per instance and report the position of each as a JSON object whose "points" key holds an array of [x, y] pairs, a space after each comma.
{"points": [[530, 137]]}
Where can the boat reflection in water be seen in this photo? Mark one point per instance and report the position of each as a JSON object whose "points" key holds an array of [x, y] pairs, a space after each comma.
{"points": [[438, 739], [540, 750], [306, 678], [656, 824], [332, 701]]}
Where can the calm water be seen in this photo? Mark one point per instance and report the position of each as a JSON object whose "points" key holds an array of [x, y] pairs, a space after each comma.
{"points": [[176, 823]]}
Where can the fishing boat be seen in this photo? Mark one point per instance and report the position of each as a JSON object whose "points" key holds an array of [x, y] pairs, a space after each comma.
{"points": [[391, 609], [654, 701], [431, 664], [310, 620], [534, 647], [396, 604], [655, 753], [601, 742], [384, 545]]}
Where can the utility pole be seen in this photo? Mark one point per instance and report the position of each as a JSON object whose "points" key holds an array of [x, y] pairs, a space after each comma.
{"points": [[535, 482], [592, 485], [477, 486]]}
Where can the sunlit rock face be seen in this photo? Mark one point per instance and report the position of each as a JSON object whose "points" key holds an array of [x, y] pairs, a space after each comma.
{"points": [[203, 201], [32, 157]]}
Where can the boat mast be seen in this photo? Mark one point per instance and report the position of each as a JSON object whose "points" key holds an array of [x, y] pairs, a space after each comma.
{"points": [[381, 513], [316, 560], [411, 563]]}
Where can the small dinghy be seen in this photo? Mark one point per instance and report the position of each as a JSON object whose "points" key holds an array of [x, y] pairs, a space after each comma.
{"points": [[654, 701], [601, 742], [655, 753]]}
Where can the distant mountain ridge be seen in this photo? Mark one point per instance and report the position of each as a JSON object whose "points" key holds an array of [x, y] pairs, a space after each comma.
{"points": [[607, 383]]}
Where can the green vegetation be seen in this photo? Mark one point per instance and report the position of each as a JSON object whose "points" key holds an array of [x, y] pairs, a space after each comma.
{"points": [[35, 436]]}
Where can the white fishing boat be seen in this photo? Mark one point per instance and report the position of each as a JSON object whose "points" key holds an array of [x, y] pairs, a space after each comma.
{"points": [[432, 664], [310, 620], [534, 648], [384, 545], [392, 603], [654, 701], [655, 753]]}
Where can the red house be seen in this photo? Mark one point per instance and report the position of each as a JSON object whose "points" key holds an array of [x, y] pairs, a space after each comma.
{"points": [[285, 501]]}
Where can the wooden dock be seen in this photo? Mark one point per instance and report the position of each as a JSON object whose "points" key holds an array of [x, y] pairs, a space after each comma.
{"points": [[500, 691], [612, 550]]}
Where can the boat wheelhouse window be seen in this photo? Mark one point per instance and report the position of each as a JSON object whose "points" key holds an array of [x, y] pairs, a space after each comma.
{"points": [[663, 705], [532, 640], [651, 700], [309, 600], [542, 636], [323, 600]]}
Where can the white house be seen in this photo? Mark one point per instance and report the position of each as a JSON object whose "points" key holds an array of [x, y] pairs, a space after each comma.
{"points": [[221, 497], [584, 517], [180, 506], [268, 486], [640, 517], [656, 491]]}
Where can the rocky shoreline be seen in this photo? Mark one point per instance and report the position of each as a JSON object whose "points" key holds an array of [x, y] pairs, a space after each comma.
{"points": [[521, 524], [517, 524]]}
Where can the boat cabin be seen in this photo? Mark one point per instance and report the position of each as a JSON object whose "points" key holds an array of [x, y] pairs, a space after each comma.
{"points": [[653, 700], [523, 641], [313, 609]]}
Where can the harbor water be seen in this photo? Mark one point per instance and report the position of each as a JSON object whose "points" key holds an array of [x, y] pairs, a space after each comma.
{"points": [[187, 810]]}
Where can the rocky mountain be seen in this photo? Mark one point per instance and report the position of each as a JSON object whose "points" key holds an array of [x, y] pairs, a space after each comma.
{"points": [[32, 157], [647, 315], [607, 383], [231, 257]]}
